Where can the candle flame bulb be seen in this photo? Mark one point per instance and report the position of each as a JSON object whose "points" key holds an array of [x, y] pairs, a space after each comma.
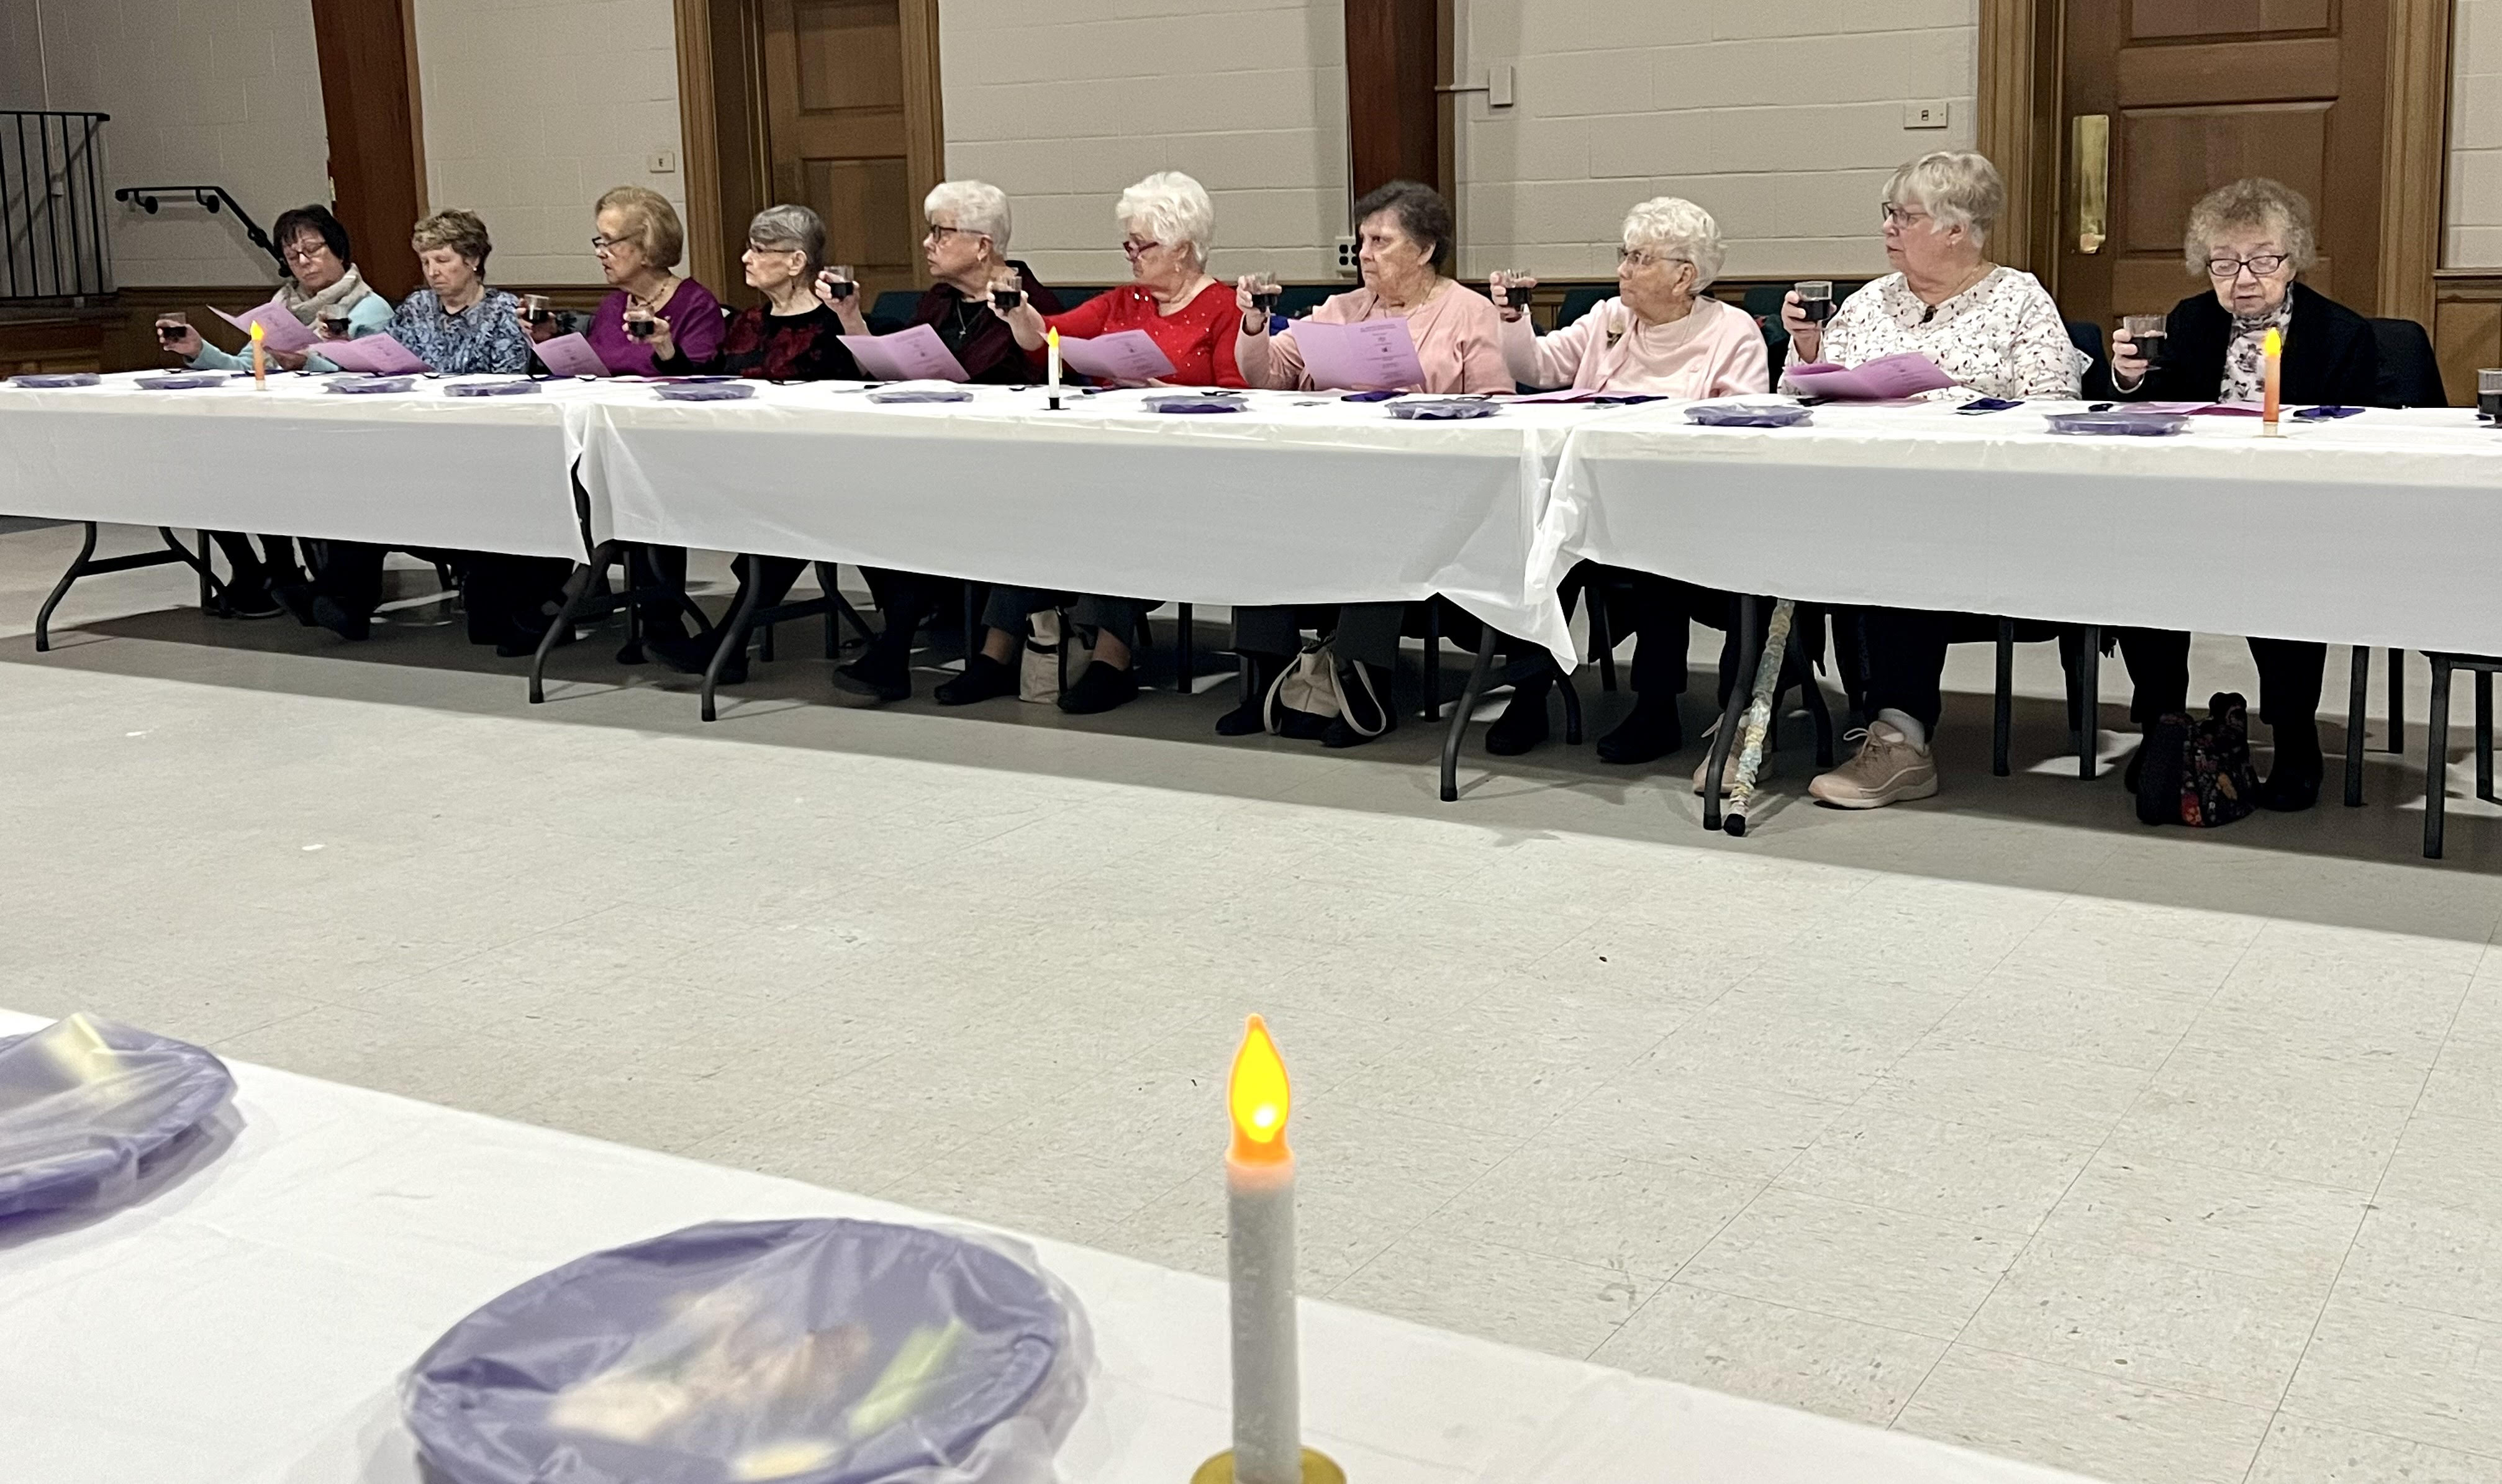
{"points": [[260, 355], [2272, 365], [1260, 1097]]}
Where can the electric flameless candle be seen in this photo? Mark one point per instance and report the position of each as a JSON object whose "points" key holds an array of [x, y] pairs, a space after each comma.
{"points": [[1259, 1260], [260, 357], [2272, 360], [1051, 338]]}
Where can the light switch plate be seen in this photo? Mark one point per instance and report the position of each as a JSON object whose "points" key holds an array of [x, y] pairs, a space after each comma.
{"points": [[662, 162], [1927, 115], [1500, 85]]}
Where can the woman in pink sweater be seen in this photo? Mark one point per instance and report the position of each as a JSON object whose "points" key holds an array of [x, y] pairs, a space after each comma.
{"points": [[1661, 336], [1405, 232]]}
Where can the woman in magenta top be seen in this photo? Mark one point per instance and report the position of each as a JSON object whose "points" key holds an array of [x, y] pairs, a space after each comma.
{"points": [[1165, 222]]}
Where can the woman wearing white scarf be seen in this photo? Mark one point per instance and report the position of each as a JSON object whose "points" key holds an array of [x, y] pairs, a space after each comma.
{"points": [[321, 281]]}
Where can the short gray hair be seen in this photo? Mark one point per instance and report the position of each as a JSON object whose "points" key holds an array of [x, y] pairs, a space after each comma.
{"points": [[1959, 187], [1171, 209], [794, 227], [2253, 201], [1676, 229], [977, 207]]}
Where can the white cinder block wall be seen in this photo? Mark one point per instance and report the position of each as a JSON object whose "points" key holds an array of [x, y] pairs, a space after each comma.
{"points": [[533, 108], [21, 66], [1065, 105], [226, 94], [2474, 217], [1782, 117]]}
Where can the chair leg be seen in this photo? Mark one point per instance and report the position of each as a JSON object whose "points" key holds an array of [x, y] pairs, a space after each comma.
{"points": [[2398, 700], [1185, 653], [1468, 707], [2485, 735], [2089, 697], [1572, 710], [1603, 638], [1751, 654], [2002, 724], [1433, 707], [2360, 689], [1821, 715], [2436, 758]]}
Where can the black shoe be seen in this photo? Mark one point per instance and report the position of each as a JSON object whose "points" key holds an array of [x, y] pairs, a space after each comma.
{"points": [[339, 621], [881, 678], [1523, 724], [1367, 713], [297, 599], [248, 596], [2293, 779], [1251, 718], [983, 679], [1103, 688], [1651, 732], [691, 656]]}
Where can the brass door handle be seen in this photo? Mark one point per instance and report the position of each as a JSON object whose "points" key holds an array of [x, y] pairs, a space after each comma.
{"points": [[2089, 166]]}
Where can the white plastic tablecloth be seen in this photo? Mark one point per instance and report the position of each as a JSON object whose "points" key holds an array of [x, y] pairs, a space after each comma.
{"points": [[1296, 501], [414, 469], [2383, 528], [246, 1323]]}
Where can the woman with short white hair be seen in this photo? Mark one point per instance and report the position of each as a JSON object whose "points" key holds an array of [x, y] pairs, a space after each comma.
{"points": [[1167, 225], [1660, 336], [1994, 330], [966, 250]]}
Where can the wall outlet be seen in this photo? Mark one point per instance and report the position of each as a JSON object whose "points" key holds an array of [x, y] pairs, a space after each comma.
{"points": [[1347, 267], [662, 162], [1926, 115]]}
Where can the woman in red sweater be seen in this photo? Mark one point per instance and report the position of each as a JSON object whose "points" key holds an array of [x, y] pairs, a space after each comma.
{"points": [[1167, 221]]}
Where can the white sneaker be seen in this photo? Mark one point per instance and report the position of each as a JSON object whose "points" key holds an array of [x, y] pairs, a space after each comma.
{"points": [[1890, 768], [1729, 770]]}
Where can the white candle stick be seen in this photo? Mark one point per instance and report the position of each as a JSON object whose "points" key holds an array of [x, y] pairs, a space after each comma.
{"points": [[1051, 338], [1259, 1260]]}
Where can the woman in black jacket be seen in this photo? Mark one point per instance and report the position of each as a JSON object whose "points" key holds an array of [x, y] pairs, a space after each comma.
{"points": [[2252, 240]]}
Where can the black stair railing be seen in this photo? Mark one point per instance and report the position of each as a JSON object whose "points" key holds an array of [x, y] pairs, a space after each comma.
{"points": [[54, 246]]}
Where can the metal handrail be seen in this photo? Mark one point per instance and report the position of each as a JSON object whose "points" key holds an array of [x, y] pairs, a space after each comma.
{"points": [[53, 242], [213, 198]]}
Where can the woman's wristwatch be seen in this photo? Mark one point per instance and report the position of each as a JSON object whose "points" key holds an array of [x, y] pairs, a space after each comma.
{"points": [[1255, 325]]}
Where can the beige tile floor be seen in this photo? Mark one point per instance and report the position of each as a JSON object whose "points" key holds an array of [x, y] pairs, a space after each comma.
{"points": [[2159, 1156]]}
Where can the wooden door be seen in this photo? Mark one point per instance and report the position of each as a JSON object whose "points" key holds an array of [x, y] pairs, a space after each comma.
{"points": [[851, 123], [2194, 93], [377, 155]]}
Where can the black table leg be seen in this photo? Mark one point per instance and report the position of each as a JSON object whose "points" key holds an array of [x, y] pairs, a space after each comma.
{"points": [[1186, 651], [2002, 723], [1467, 706], [2437, 759], [577, 593], [2357, 692], [733, 638], [2090, 714]]}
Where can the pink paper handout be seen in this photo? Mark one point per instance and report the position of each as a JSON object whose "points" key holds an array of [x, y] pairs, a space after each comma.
{"points": [[1125, 356], [379, 355], [916, 355], [1887, 377], [571, 355], [280, 329], [1371, 356]]}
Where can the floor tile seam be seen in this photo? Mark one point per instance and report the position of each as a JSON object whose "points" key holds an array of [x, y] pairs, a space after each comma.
{"points": [[1427, 1219], [2298, 1415], [2172, 1388], [1716, 1291]]}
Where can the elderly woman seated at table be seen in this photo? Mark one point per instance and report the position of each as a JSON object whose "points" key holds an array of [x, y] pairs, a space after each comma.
{"points": [[966, 250], [2251, 241], [1403, 234], [322, 284], [792, 336], [1167, 224], [1660, 336], [458, 326], [1995, 331]]}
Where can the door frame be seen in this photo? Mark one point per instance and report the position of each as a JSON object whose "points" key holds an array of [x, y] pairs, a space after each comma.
{"points": [[721, 115], [2020, 127]]}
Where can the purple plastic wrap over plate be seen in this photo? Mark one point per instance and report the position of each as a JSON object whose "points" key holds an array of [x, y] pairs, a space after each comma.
{"points": [[54, 381], [1188, 402], [706, 391], [84, 1102], [2118, 424], [368, 386], [803, 1352], [1443, 408], [922, 395], [1748, 415], [182, 383], [519, 387]]}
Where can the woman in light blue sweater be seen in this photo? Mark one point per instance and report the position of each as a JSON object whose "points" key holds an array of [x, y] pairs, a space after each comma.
{"points": [[321, 283]]}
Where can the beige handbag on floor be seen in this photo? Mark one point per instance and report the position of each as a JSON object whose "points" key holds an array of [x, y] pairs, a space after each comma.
{"points": [[1038, 668]]}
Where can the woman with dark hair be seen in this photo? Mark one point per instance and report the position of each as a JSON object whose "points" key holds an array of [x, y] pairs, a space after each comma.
{"points": [[1403, 232], [320, 283]]}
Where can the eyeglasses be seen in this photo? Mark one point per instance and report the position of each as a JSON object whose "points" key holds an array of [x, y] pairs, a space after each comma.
{"points": [[753, 246], [604, 244], [2224, 269], [307, 252], [938, 233], [1136, 249], [1643, 258], [1901, 216]]}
